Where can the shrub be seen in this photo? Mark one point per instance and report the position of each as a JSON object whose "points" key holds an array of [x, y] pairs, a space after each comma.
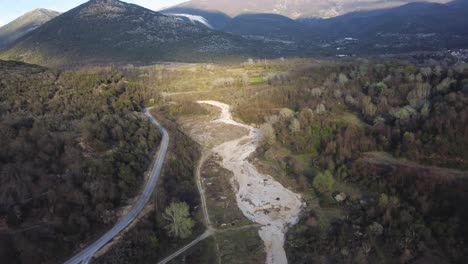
{"points": [[324, 182], [383, 201]]}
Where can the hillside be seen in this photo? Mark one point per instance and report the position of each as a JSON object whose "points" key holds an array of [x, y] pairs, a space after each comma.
{"points": [[275, 27], [408, 27], [376, 148], [111, 31], [24, 24], [75, 147], [414, 26], [114, 31], [294, 9], [216, 20]]}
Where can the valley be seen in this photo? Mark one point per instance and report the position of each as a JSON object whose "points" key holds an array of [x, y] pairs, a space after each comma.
{"points": [[234, 132], [259, 197], [321, 160]]}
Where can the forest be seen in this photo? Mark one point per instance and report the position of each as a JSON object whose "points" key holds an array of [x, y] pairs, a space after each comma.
{"points": [[75, 148], [150, 241], [396, 131], [377, 148]]}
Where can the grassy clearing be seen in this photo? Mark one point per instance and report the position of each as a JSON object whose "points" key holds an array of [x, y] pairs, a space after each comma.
{"points": [[221, 199], [241, 247], [203, 252], [257, 80]]}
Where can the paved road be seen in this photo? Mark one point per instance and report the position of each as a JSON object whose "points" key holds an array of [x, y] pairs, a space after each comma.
{"points": [[86, 254]]}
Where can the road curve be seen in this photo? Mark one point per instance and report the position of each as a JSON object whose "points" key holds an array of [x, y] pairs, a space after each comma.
{"points": [[86, 254]]}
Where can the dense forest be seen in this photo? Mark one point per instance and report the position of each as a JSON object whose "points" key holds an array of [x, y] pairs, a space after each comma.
{"points": [[419, 113], [149, 241], [395, 130], [377, 148], [75, 147]]}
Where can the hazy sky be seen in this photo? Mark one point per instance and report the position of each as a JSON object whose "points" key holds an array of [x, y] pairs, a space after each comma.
{"points": [[11, 9]]}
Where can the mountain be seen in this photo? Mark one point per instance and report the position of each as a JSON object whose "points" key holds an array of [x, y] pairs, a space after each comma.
{"points": [[216, 20], [460, 4], [294, 9], [24, 24], [410, 19], [408, 27], [271, 26], [102, 31], [411, 27]]}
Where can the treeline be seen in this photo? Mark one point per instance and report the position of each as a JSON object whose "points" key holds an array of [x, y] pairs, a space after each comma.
{"points": [[75, 146]]}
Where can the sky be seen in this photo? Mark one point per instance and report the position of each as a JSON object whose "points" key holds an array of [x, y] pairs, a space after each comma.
{"points": [[11, 9]]}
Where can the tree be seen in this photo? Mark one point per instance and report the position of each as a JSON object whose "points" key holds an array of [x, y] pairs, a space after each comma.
{"points": [[295, 125], [268, 133], [342, 79], [383, 201], [368, 108], [179, 222], [376, 229], [286, 113], [324, 182]]}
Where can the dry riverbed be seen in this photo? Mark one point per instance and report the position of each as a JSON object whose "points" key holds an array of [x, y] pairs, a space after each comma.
{"points": [[260, 198]]}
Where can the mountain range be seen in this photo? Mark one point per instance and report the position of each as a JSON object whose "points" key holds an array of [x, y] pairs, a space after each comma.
{"points": [[24, 24], [103, 31], [294, 8], [406, 27], [111, 30]]}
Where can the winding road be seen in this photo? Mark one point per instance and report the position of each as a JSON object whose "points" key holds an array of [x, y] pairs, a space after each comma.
{"points": [[86, 254]]}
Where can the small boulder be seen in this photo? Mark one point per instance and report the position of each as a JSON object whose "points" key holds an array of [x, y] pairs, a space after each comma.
{"points": [[340, 197]]}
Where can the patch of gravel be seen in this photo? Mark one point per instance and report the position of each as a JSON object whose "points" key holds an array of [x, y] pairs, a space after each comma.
{"points": [[261, 199]]}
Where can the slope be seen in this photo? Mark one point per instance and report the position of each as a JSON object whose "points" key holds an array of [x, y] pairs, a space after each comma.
{"points": [[24, 24], [294, 9], [103, 31]]}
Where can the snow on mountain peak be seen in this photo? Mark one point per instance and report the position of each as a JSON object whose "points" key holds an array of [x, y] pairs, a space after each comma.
{"points": [[194, 19]]}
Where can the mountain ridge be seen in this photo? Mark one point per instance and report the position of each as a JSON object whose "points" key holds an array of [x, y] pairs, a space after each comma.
{"points": [[410, 27], [293, 9], [25, 24], [111, 30]]}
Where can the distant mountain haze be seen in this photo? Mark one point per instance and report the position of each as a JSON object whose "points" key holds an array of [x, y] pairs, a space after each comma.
{"points": [[111, 30], [294, 8], [24, 24], [405, 27]]}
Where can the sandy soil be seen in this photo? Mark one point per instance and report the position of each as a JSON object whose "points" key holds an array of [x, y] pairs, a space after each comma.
{"points": [[259, 196]]}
